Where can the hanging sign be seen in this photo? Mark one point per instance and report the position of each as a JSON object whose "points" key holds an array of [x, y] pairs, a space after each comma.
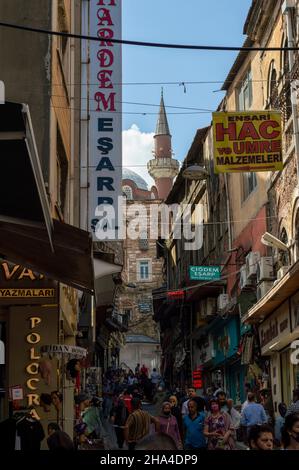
{"points": [[247, 141], [64, 349], [105, 125], [204, 273]]}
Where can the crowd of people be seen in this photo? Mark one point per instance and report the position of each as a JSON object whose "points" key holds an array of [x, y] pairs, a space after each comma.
{"points": [[137, 411]]}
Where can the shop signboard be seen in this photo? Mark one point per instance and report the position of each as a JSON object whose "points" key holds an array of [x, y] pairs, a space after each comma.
{"points": [[105, 118], [226, 340], [21, 285], [247, 141], [204, 273], [275, 329]]}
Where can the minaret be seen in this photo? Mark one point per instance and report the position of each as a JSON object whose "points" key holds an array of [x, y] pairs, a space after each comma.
{"points": [[163, 168]]}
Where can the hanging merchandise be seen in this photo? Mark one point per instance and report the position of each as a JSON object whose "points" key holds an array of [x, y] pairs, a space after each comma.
{"points": [[45, 370], [247, 350]]}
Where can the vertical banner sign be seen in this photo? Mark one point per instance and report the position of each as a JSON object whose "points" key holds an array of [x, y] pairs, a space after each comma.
{"points": [[247, 141], [105, 126]]}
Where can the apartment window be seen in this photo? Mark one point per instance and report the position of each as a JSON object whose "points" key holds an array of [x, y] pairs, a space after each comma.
{"points": [[249, 183], [127, 191], [63, 45], [245, 92], [143, 241], [272, 85], [144, 270], [61, 176], [128, 313]]}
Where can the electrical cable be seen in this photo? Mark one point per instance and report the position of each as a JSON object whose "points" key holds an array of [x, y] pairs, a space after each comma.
{"points": [[145, 43]]}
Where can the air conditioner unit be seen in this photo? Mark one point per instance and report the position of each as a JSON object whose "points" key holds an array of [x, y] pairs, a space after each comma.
{"points": [[265, 269], [245, 282], [222, 301], [263, 288], [282, 271], [252, 260]]}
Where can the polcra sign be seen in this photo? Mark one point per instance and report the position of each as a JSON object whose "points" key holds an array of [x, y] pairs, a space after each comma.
{"points": [[105, 125]]}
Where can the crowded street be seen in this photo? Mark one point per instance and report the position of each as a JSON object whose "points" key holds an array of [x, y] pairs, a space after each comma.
{"points": [[149, 232]]}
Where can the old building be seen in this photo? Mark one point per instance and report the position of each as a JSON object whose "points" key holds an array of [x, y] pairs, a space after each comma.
{"points": [[50, 69], [143, 267], [240, 329]]}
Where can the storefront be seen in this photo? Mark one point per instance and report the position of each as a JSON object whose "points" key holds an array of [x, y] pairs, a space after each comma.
{"points": [[228, 372], [29, 319], [277, 334]]}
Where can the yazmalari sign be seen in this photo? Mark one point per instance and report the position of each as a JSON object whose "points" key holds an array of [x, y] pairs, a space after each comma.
{"points": [[247, 141]]}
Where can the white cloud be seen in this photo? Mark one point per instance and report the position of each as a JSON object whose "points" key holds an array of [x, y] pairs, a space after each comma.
{"points": [[137, 151]]}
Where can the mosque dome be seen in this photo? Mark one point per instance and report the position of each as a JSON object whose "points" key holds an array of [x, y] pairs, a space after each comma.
{"points": [[137, 179]]}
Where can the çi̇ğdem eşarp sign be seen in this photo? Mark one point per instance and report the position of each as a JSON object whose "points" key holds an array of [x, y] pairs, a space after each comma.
{"points": [[247, 141], [105, 126]]}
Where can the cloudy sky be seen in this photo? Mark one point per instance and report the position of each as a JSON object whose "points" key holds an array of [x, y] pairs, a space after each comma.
{"points": [[146, 70], [137, 151]]}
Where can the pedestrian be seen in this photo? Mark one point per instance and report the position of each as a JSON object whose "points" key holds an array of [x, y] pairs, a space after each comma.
{"points": [[294, 407], [191, 393], [127, 399], [279, 422], [118, 417], [290, 432], [155, 378], [219, 428], [58, 440], [144, 370], [137, 369], [221, 397], [253, 414], [234, 414], [193, 424], [261, 437], [169, 424], [138, 424], [176, 412]]}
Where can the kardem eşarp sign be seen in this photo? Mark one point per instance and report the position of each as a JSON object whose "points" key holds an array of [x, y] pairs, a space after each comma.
{"points": [[105, 123]]}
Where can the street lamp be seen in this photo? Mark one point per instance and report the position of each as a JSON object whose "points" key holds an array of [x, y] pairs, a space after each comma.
{"points": [[269, 240], [195, 172]]}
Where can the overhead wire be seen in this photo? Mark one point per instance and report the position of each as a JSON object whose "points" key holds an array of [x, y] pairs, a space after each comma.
{"points": [[145, 43]]}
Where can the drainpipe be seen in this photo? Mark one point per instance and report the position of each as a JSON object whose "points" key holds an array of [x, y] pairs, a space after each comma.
{"points": [[228, 214], [287, 9]]}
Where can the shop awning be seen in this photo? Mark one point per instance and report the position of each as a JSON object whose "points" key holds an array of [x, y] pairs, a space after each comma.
{"points": [[281, 291], [66, 350], [23, 197], [28, 234], [70, 262]]}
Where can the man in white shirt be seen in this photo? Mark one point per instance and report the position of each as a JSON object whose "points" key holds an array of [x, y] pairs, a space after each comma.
{"points": [[155, 377], [191, 394]]}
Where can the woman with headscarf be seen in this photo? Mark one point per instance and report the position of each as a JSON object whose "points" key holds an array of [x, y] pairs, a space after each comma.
{"points": [[169, 424]]}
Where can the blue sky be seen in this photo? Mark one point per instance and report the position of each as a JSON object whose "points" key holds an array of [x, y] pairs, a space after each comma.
{"points": [[214, 22]]}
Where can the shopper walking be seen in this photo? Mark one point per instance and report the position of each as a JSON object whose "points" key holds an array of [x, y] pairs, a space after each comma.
{"points": [[193, 424], [169, 425], [219, 429]]}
